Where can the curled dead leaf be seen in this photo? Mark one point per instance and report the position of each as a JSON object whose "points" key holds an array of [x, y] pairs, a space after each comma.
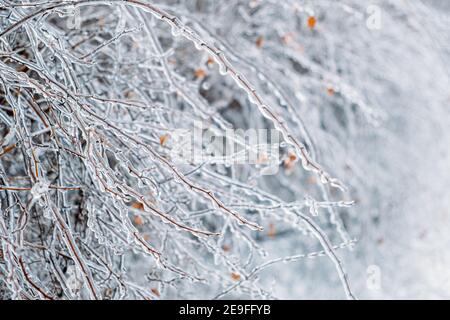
{"points": [[210, 61], [129, 94], [163, 139], [155, 291], [312, 21], [200, 73], [138, 220], [259, 42], [271, 233], [289, 162], [138, 205], [235, 276]]}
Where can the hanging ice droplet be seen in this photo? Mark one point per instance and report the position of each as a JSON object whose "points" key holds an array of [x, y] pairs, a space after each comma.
{"points": [[198, 45], [223, 69], [176, 31], [313, 209], [263, 252], [39, 189], [251, 98]]}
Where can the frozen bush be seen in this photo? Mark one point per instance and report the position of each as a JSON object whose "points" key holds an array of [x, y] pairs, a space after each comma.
{"points": [[93, 95]]}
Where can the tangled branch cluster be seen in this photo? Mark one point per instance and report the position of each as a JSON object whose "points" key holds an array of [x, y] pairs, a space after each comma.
{"points": [[92, 203]]}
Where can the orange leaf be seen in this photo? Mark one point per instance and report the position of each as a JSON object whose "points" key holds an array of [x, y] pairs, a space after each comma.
{"points": [[163, 139], [129, 94], [272, 231], [210, 61], [330, 91], [292, 156], [200, 73], [289, 162], [235, 276], [138, 220], [7, 149], [259, 42], [312, 22], [155, 292], [138, 205]]}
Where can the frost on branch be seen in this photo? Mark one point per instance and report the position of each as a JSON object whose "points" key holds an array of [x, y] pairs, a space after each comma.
{"points": [[95, 203]]}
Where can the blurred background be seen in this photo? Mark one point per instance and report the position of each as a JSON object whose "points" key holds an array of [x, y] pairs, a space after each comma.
{"points": [[370, 81]]}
